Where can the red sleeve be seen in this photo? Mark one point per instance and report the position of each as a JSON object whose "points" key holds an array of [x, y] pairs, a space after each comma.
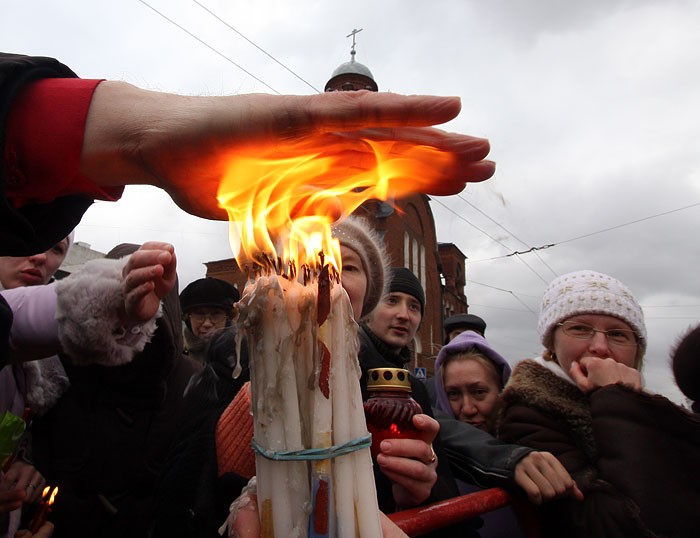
{"points": [[44, 141]]}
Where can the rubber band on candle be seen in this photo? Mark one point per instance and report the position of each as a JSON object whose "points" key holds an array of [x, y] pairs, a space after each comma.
{"points": [[314, 454]]}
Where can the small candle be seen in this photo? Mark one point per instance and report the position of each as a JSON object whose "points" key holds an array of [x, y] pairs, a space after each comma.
{"points": [[44, 509]]}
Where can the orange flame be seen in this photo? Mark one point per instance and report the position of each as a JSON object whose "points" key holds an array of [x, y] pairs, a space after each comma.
{"points": [[53, 495], [284, 207]]}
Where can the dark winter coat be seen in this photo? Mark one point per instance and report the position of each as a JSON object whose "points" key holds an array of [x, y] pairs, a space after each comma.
{"points": [[635, 456], [105, 441]]}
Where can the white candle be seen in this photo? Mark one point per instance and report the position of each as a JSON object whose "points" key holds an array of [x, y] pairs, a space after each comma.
{"points": [[306, 394]]}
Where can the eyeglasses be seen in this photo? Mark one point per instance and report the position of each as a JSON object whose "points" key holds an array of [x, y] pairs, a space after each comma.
{"points": [[198, 317], [615, 337]]}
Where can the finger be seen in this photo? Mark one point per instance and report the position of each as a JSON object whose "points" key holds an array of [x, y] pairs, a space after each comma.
{"points": [[406, 470], [137, 277], [345, 112], [427, 426], [415, 449]]}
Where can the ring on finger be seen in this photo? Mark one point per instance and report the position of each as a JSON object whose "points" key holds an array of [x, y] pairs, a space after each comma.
{"points": [[433, 457], [31, 486]]}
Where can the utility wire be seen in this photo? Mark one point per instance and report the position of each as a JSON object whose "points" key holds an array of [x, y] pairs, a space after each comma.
{"points": [[532, 249], [209, 47], [205, 8], [591, 234], [489, 236], [506, 291]]}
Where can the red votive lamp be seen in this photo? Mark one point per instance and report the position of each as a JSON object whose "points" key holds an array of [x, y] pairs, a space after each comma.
{"points": [[389, 409]]}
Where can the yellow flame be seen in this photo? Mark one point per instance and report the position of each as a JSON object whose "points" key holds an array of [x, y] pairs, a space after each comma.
{"points": [[53, 495], [285, 207]]}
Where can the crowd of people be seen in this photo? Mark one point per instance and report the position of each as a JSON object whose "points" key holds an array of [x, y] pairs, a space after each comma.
{"points": [[136, 399]]}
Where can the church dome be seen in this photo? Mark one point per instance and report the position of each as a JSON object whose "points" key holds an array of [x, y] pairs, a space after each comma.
{"points": [[350, 76]]}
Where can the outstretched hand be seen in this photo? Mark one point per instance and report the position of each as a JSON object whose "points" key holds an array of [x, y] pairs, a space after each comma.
{"points": [[411, 463], [186, 145], [543, 478], [149, 275]]}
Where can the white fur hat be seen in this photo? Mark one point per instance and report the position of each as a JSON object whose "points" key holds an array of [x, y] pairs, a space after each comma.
{"points": [[589, 292]]}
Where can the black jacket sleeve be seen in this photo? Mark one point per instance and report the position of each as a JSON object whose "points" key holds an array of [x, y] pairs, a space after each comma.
{"points": [[35, 227], [476, 456]]}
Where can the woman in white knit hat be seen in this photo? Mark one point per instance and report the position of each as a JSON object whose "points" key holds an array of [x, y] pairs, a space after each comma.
{"points": [[629, 451]]}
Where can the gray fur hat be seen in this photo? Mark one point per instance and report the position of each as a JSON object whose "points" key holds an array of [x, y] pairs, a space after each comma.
{"points": [[355, 233]]}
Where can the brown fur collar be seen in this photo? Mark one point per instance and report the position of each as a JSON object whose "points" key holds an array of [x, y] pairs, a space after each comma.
{"points": [[534, 386]]}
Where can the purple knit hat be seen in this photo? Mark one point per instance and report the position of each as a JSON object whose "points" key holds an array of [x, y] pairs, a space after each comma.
{"points": [[463, 342]]}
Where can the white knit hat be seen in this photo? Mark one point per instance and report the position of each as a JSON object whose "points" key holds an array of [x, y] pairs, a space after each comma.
{"points": [[589, 292]]}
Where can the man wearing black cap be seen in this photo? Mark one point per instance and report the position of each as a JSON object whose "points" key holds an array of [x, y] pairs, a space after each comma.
{"points": [[385, 336], [207, 308], [459, 323]]}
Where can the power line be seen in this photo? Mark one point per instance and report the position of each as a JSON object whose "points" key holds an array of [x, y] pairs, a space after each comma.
{"points": [[505, 291], [532, 249], [210, 47], [590, 234], [489, 236], [256, 46]]}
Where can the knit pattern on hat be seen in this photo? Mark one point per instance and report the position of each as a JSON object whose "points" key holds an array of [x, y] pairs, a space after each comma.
{"points": [[355, 233], [234, 433], [588, 292]]}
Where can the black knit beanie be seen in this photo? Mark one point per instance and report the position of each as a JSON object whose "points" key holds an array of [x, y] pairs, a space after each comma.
{"points": [[403, 280]]}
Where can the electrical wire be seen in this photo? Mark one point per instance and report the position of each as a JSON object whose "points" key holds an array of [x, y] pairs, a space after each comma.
{"points": [[490, 237], [210, 47], [591, 233], [205, 8]]}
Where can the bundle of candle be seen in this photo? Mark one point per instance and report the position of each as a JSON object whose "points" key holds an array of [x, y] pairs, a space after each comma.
{"points": [[314, 469]]}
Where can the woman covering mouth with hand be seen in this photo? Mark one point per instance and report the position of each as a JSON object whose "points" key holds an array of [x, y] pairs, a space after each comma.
{"points": [[634, 455]]}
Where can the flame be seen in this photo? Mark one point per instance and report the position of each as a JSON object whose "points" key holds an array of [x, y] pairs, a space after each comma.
{"points": [[45, 492], [284, 207], [53, 495]]}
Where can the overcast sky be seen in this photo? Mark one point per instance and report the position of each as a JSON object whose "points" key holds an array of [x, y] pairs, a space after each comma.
{"points": [[592, 109]]}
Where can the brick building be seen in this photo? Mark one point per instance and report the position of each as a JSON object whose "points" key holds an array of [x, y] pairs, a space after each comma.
{"points": [[408, 230]]}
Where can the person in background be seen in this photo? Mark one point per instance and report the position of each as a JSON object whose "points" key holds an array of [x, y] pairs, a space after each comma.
{"points": [[459, 323], [470, 376], [685, 360], [51, 315], [207, 309], [35, 385], [453, 326], [386, 335], [629, 451], [104, 441]]}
